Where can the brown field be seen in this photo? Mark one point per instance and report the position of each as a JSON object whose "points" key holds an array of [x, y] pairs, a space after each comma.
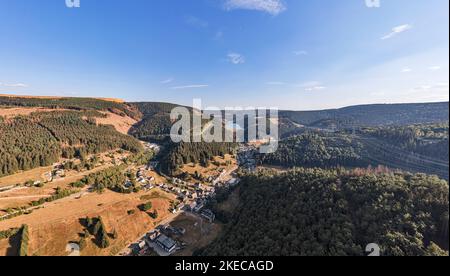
{"points": [[199, 232], [58, 223], [22, 196], [24, 111], [20, 178], [121, 123]]}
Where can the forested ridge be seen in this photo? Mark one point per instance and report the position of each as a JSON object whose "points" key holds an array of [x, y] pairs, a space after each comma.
{"points": [[428, 140], [42, 138], [155, 123], [72, 103], [315, 149], [417, 148], [374, 115], [336, 212]]}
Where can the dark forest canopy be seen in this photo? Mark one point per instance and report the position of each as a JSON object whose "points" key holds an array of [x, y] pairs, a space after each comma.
{"points": [[155, 121], [336, 212], [315, 149], [40, 139]]}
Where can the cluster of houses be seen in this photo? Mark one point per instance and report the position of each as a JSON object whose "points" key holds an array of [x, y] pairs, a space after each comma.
{"points": [[160, 241]]}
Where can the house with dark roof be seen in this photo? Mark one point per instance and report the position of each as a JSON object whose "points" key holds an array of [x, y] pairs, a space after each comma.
{"points": [[166, 243]]}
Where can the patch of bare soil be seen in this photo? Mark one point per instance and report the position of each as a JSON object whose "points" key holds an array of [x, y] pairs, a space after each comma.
{"points": [[121, 123], [199, 232]]}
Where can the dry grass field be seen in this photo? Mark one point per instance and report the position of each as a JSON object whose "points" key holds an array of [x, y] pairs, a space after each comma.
{"points": [[121, 123], [20, 178], [59, 223]]}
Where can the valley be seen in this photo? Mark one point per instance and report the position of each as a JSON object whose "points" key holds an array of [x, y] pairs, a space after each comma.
{"points": [[80, 163]]}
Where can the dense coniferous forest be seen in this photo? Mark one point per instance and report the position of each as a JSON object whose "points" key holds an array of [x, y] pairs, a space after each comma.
{"points": [[200, 153], [25, 145], [316, 149], [155, 122], [336, 212], [42, 138], [427, 140]]}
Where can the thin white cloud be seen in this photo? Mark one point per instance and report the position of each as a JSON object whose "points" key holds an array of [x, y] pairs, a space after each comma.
{"points": [[406, 70], [236, 58], [167, 81], [315, 88], [15, 85], [300, 53], [436, 87], [397, 30], [434, 68], [189, 86], [312, 86], [196, 22], [273, 7]]}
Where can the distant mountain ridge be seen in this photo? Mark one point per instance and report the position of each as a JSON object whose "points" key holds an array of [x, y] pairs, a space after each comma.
{"points": [[157, 114], [374, 114]]}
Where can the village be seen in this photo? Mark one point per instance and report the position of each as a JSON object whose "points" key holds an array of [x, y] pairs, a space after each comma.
{"points": [[192, 199], [190, 196], [166, 239]]}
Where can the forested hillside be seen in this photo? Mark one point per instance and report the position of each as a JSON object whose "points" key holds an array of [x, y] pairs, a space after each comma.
{"points": [[42, 138], [156, 123], [330, 212], [315, 149], [427, 140], [418, 148], [293, 122], [201, 153], [72, 103], [375, 115]]}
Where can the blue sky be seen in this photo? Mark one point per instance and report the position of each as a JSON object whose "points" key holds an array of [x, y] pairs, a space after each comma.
{"points": [[291, 54]]}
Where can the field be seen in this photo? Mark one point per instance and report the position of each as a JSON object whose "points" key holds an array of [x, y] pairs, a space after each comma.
{"points": [[121, 123], [59, 223], [7, 112], [21, 196], [19, 178]]}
